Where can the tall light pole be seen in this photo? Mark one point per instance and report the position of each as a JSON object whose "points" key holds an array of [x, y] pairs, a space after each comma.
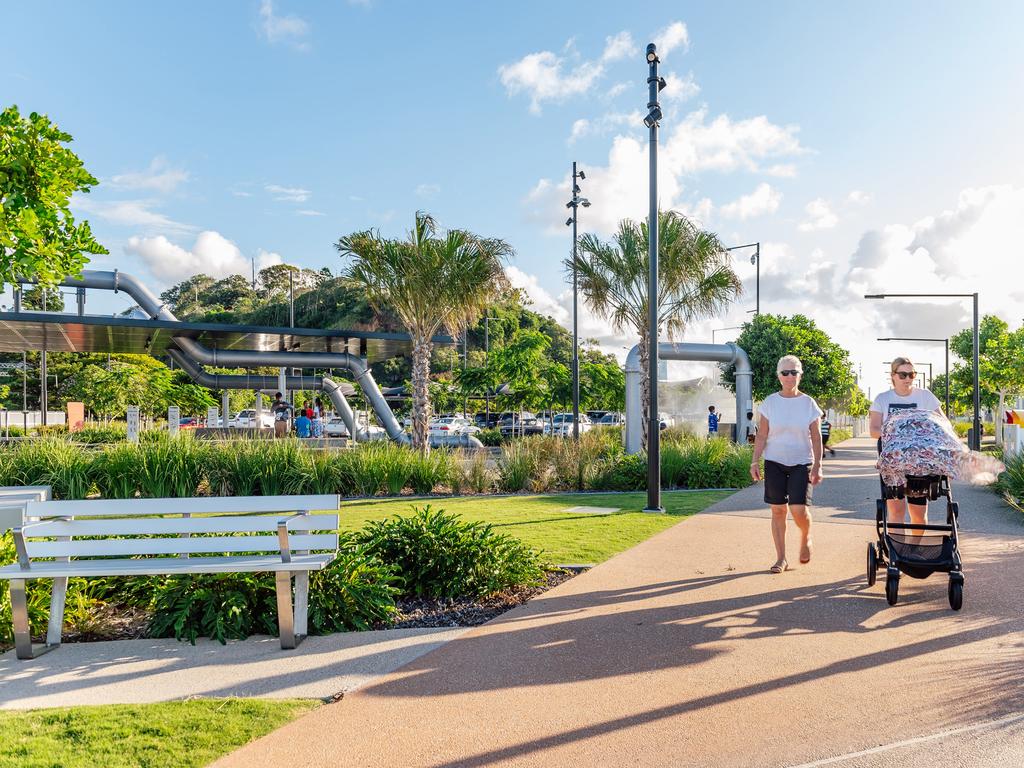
{"points": [[654, 115], [575, 204], [976, 431], [755, 258], [945, 343]]}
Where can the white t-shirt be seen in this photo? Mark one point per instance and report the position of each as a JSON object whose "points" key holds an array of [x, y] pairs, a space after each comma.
{"points": [[919, 399], [789, 421]]}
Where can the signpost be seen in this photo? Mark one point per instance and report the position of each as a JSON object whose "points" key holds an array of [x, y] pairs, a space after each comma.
{"points": [[133, 423], [173, 420]]}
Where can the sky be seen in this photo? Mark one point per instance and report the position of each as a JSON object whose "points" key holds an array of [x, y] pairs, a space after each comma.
{"points": [[869, 147]]}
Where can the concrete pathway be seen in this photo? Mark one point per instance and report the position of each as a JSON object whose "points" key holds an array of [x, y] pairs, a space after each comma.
{"points": [[684, 651], [142, 671]]}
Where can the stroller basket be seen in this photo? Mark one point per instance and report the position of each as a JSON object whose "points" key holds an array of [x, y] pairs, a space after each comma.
{"points": [[926, 550]]}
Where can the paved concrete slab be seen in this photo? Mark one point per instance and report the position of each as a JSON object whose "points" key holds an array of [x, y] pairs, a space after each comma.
{"points": [[141, 671], [685, 651]]}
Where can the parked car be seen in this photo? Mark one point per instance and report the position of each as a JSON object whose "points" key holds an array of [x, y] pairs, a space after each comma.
{"points": [[247, 420], [520, 424], [562, 424], [335, 427], [189, 422], [611, 419]]}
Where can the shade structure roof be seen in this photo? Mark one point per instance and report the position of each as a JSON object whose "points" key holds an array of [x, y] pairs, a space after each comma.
{"points": [[59, 332]]}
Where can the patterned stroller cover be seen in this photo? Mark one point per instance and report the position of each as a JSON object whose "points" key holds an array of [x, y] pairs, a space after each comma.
{"points": [[920, 443]]}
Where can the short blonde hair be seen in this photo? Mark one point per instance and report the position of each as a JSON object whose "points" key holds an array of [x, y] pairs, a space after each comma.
{"points": [[897, 362], [789, 361]]}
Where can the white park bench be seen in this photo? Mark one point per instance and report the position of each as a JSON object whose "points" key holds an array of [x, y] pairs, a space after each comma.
{"points": [[143, 537]]}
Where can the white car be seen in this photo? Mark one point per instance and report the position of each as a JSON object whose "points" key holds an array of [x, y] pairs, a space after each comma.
{"points": [[247, 420], [451, 425], [335, 427], [561, 425]]}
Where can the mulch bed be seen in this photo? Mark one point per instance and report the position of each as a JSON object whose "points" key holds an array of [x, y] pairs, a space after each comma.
{"points": [[125, 623]]}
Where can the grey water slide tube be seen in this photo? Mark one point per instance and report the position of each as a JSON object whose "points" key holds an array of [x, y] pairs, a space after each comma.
{"points": [[195, 352], [716, 353]]}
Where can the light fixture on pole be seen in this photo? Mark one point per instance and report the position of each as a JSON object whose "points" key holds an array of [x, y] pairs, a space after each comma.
{"points": [[755, 259], [976, 422], [654, 85], [945, 343], [572, 221], [730, 328]]}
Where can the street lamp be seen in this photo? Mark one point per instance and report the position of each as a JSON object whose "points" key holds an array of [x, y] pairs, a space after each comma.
{"points": [[755, 258], [654, 84], [730, 328], [945, 343], [976, 432], [575, 204]]}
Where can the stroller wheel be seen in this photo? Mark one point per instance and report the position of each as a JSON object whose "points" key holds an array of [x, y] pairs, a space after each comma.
{"points": [[956, 593], [872, 565], [892, 588]]}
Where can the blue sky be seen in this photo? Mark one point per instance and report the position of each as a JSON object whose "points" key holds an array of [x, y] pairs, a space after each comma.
{"points": [[870, 146]]}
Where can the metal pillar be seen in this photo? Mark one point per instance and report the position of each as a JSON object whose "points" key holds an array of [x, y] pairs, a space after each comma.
{"points": [[977, 382], [653, 422]]}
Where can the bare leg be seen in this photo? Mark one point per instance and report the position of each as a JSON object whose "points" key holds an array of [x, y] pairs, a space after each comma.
{"points": [[897, 510], [802, 518], [779, 514], [918, 515]]}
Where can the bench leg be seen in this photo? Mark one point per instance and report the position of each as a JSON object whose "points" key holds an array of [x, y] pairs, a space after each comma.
{"points": [[285, 616], [301, 604], [23, 647], [53, 630]]}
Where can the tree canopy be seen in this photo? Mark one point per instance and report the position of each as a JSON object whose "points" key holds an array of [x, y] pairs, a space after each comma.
{"points": [[39, 238]]}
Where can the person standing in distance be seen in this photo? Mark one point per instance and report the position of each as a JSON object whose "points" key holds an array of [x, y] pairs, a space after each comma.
{"points": [[712, 421], [903, 396], [789, 438]]}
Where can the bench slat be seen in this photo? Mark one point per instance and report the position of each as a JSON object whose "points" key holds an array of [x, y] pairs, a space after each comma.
{"points": [[167, 565], [199, 505], [176, 545], [153, 525]]}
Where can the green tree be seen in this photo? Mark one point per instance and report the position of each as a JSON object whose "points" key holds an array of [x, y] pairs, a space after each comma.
{"points": [[431, 281], [695, 279], [37, 297], [39, 238], [828, 375], [1000, 365], [522, 364]]}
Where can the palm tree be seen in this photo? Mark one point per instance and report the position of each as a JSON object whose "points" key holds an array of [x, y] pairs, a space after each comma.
{"points": [[432, 282], [695, 279]]}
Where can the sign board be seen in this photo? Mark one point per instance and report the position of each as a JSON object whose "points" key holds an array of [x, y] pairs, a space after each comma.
{"points": [[76, 416], [133, 423], [173, 420], [212, 417]]}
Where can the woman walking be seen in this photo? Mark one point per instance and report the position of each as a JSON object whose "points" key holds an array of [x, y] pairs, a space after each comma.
{"points": [[789, 439]]}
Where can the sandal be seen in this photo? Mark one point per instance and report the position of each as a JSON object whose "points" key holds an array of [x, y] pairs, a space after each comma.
{"points": [[805, 552], [779, 567]]}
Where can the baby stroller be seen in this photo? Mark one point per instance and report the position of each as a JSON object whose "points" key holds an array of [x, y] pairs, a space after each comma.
{"points": [[917, 550]]}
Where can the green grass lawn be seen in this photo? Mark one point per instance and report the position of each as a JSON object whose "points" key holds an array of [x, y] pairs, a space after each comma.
{"points": [[543, 522], [178, 734]]}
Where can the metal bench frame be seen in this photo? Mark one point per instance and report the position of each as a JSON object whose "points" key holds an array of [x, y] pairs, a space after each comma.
{"points": [[291, 537]]}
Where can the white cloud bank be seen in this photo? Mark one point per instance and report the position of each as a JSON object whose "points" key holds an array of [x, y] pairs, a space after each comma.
{"points": [[762, 200], [159, 177], [819, 216], [211, 254], [290, 30]]}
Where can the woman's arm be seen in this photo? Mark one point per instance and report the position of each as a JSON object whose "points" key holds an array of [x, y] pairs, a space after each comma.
{"points": [[815, 429], [759, 443], [875, 424]]}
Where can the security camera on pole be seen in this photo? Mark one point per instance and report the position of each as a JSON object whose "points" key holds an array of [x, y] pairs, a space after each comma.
{"points": [[575, 204], [654, 85]]}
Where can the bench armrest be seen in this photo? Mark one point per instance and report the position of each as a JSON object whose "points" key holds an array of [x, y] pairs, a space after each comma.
{"points": [[282, 534], [19, 543]]}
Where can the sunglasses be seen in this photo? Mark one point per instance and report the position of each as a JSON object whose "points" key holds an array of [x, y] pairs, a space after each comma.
{"points": [[905, 375], [790, 372]]}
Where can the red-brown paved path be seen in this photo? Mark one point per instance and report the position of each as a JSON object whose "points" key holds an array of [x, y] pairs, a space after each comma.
{"points": [[684, 651]]}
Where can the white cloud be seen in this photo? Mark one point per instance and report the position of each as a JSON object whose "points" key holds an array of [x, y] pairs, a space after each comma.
{"points": [[680, 88], [130, 213], [819, 216], [288, 194], [310, 212], [675, 35], [428, 191], [618, 47], [580, 128], [762, 200], [780, 170], [211, 254], [727, 145], [290, 30], [237, 193], [616, 89], [159, 177], [541, 76], [858, 197], [543, 302]]}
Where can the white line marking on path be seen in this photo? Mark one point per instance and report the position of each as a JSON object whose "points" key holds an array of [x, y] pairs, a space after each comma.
{"points": [[910, 742]]}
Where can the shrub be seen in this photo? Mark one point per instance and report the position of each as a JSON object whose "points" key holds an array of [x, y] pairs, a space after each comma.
{"points": [[430, 470], [356, 591], [172, 467], [518, 465], [622, 473], [478, 475], [439, 555], [221, 606], [1011, 482], [118, 471], [319, 473], [50, 461], [368, 468], [490, 436], [234, 470]]}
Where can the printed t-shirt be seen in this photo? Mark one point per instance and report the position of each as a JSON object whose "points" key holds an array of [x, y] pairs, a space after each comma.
{"points": [[889, 402], [789, 420]]}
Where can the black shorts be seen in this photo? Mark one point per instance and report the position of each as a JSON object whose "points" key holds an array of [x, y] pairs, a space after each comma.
{"points": [[887, 493], [787, 484]]}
